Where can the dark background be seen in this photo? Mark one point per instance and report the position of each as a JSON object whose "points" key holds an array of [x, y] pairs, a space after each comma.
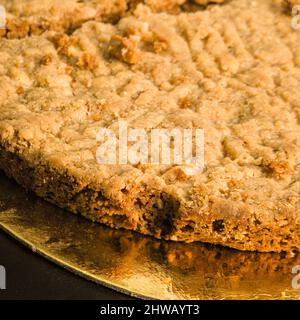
{"points": [[30, 276]]}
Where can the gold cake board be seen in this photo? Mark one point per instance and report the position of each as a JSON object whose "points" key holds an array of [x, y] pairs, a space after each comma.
{"points": [[141, 266]]}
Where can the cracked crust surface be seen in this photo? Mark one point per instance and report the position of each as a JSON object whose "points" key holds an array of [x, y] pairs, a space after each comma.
{"points": [[232, 70]]}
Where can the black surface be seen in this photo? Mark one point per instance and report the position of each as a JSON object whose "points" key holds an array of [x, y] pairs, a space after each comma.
{"points": [[30, 276]]}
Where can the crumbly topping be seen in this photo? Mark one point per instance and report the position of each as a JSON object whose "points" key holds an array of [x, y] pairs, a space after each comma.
{"points": [[27, 17], [232, 70], [249, 110]]}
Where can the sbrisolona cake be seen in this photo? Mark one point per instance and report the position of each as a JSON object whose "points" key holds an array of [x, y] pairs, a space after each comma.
{"points": [[231, 69]]}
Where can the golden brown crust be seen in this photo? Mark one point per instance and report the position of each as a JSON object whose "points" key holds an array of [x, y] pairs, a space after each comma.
{"points": [[232, 70], [292, 3], [31, 17], [205, 2]]}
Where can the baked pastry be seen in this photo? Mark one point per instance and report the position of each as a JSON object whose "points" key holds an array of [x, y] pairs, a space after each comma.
{"points": [[232, 70]]}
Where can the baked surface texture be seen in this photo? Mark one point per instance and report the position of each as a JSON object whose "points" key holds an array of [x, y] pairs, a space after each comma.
{"points": [[233, 70], [34, 17]]}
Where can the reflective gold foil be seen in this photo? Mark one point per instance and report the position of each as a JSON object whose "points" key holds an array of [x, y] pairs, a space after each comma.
{"points": [[138, 265]]}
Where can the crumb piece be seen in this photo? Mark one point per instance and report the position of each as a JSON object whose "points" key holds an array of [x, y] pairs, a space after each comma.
{"points": [[279, 168], [125, 49], [87, 61]]}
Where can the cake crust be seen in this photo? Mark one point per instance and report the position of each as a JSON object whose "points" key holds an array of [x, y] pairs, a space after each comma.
{"points": [[34, 17], [232, 70]]}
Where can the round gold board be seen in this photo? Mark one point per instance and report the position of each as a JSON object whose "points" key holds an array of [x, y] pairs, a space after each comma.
{"points": [[138, 265]]}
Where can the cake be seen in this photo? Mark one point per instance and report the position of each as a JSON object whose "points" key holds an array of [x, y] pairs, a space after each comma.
{"points": [[232, 70]]}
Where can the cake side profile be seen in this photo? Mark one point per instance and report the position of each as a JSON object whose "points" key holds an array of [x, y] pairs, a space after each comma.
{"points": [[231, 70]]}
